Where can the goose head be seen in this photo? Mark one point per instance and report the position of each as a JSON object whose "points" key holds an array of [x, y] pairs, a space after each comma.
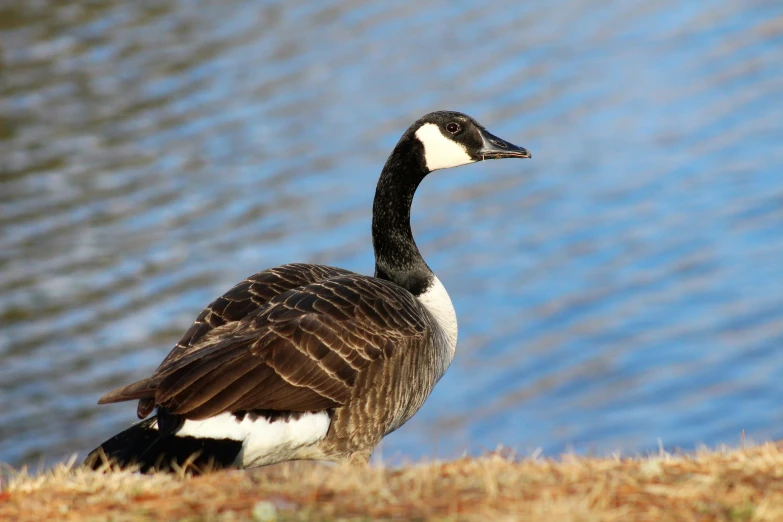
{"points": [[450, 139], [438, 140]]}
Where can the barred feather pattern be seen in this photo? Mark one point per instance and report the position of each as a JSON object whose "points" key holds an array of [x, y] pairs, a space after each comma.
{"points": [[304, 338]]}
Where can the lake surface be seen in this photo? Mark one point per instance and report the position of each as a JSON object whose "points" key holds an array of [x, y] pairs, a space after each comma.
{"points": [[622, 289]]}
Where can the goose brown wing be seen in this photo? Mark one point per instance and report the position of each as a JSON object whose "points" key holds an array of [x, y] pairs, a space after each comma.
{"points": [[303, 351], [243, 300], [248, 297]]}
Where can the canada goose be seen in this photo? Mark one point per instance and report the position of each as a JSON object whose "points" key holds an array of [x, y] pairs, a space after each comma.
{"points": [[308, 361]]}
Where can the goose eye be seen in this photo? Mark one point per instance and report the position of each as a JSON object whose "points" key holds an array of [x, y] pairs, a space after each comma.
{"points": [[453, 128]]}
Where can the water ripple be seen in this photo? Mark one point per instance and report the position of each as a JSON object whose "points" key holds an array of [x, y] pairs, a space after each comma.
{"points": [[624, 286]]}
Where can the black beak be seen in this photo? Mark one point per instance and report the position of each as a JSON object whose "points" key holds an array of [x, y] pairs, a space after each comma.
{"points": [[495, 148]]}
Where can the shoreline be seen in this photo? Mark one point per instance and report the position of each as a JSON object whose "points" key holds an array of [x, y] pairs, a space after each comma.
{"points": [[724, 484]]}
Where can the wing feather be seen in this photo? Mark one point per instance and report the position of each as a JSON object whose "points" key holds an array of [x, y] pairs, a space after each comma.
{"points": [[302, 351]]}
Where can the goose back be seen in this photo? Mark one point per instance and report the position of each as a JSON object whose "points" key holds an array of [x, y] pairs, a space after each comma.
{"points": [[315, 347]]}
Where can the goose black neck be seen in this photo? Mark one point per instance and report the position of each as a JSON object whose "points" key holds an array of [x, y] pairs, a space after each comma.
{"points": [[397, 258]]}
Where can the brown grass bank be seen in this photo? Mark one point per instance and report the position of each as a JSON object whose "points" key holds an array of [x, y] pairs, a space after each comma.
{"points": [[731, 485]]}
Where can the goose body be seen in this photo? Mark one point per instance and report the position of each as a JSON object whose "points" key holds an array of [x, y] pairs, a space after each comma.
{"points": [[306, 361]]}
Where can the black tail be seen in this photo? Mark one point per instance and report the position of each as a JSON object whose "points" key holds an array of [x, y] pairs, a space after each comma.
{"points": [[143, 445]]}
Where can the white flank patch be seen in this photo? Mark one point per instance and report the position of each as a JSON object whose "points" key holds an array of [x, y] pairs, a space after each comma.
{"points": [[441, 152], [263, 442], [436, 300]]}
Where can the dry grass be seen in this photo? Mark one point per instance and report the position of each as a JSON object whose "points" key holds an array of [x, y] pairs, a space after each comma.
{"points": [[732, 485]]}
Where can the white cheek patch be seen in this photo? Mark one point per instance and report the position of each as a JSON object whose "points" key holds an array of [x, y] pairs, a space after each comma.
{"points": [[439, 151]]}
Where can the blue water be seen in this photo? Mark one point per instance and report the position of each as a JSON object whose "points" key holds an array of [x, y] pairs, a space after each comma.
{"points": [[623, 287]]}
